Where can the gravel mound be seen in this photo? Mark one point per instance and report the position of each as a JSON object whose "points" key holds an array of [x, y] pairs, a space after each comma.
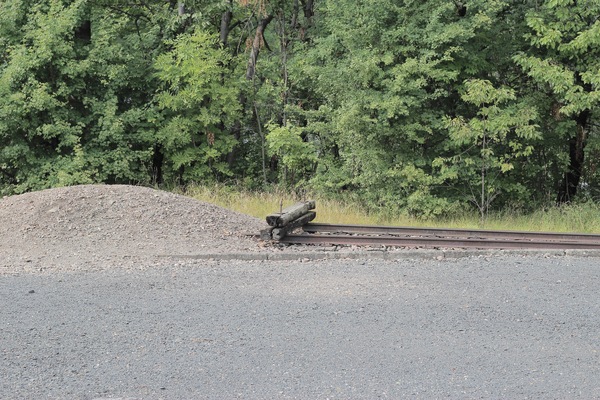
{"points": [[91, 225]]}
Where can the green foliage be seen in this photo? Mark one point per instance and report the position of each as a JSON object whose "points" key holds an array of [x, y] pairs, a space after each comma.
{"points": [[423, 109], [69, 108], [563, 61], [201, 103], [297, 156], [569, 37], [384, 70], [489, 144]]}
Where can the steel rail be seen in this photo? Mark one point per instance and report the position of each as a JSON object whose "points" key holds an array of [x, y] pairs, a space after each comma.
{"points": [[443, 232], [436, 242]]}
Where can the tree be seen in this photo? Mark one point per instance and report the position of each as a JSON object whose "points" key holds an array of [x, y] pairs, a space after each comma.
{"points": [[71, 107], [201, 103], [385, 75], [297, 156], [489, 144], [564, 61]]}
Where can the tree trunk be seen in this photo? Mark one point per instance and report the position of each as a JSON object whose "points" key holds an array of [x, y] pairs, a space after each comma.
{"points": [[262, 144], [296, 9], [568, 188], [284, 70], [225, 22], [224, 38], [309, 11], [251, 70], [258, 38], [157, 164]]}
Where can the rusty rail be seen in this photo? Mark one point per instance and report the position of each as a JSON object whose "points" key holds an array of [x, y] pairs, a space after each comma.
{"points": [[287, 221], [438, 238]]}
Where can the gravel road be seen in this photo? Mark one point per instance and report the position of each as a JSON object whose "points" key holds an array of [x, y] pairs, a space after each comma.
{"points": [[481, 327]]}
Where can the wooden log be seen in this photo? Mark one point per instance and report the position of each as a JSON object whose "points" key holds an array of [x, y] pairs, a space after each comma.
{"points": [[280, 233], [266, 234], [290, 213]]}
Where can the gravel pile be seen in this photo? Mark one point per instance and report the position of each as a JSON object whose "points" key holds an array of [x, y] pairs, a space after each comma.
{"points": [[94, 226]]}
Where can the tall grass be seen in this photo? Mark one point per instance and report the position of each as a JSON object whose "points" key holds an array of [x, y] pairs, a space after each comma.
{"points": [[584, 217], [260, 204]]}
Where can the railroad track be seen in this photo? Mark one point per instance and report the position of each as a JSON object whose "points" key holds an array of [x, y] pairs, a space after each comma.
{"points": [[363, 235]]}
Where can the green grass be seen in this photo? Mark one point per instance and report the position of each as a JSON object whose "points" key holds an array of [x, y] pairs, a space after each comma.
{"points": [[583, 218]]}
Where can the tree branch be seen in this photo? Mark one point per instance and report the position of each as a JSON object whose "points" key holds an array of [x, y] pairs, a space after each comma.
{"points": [[260, 29]]}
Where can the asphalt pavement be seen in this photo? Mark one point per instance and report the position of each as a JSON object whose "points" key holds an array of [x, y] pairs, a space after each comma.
{"points": [[510, 327]]}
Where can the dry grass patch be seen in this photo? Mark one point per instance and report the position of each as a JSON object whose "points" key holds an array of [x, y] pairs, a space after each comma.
{"points": [[583, 218]]}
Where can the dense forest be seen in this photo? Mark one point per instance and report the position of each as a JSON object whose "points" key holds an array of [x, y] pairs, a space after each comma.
{"points": [[424, 107]]}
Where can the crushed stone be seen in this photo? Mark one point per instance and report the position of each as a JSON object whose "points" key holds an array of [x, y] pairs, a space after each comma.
{"points": [[98, 226]]}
